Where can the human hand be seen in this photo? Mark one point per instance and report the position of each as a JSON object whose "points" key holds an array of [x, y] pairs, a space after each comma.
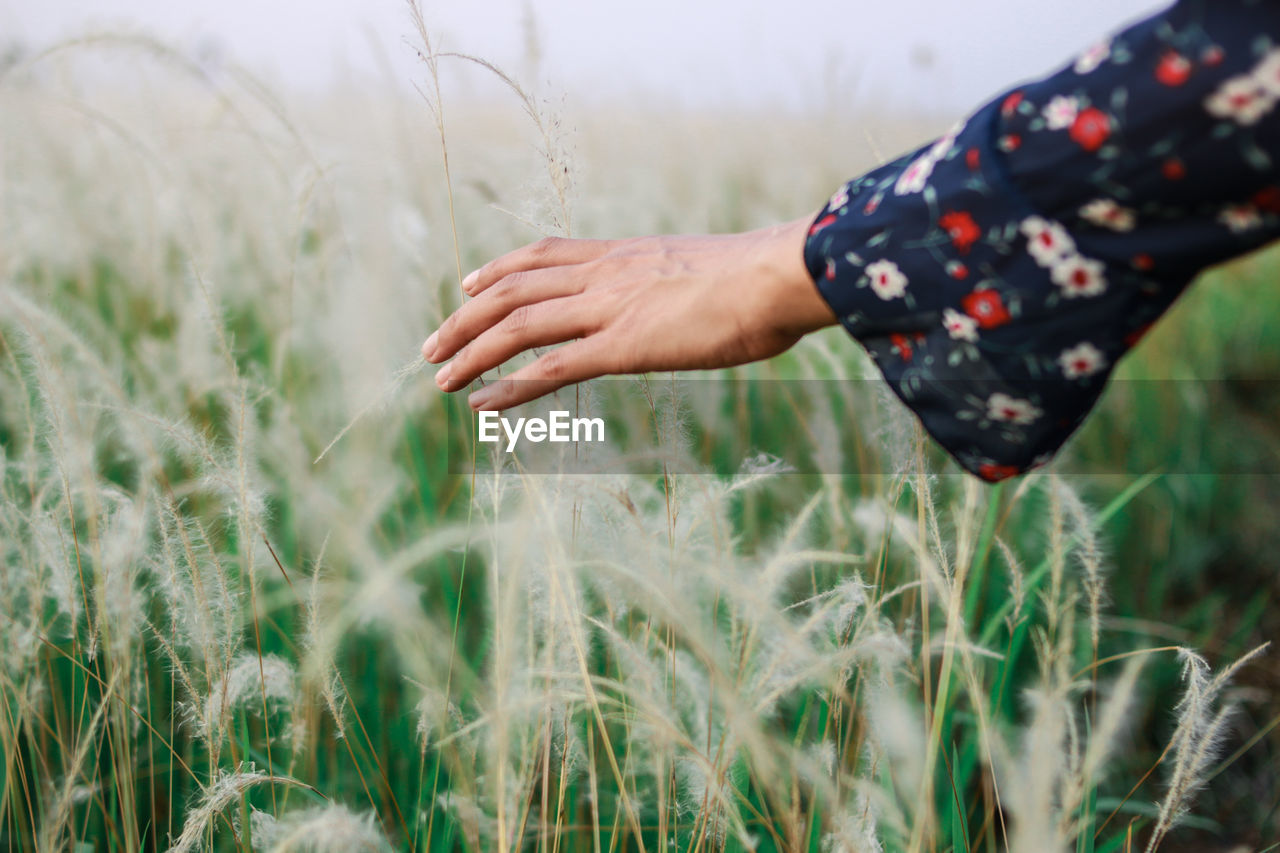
{"points": [[628, 306]]}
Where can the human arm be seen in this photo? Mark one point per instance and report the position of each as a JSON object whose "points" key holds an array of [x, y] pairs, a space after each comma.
{"points": [[996, 275]]}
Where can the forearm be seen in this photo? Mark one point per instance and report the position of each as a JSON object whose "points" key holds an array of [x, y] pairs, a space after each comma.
{"points": [[997, 275]]}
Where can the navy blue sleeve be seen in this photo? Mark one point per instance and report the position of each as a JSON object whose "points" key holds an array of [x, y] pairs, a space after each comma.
{"points": [[998, 274]]}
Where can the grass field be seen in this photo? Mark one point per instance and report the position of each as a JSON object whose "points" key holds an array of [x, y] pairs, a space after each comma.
{"points": [[213, 641]]}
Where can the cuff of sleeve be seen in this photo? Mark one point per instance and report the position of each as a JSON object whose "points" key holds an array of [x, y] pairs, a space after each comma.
{"points": [[979, 312]]}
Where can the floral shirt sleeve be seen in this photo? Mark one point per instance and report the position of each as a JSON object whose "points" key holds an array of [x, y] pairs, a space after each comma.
{"points": [[998, 274]]}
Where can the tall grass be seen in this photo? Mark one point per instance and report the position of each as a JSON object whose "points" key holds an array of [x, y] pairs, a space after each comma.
{"points": [[224, 629]]}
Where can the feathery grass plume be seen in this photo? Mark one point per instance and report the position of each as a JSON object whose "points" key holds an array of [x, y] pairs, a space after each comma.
{"points": [[1043, 788], [66, 428], [225, 788], [403, 374], [891, 422], [852, 595], [435, 714], [202, 597], [1088, 552], [854, 830], [540, 663], [1017, 585], [880, 524], [929, 534], [247, 680], [652, 724], [56, 576], [554, 145], [896, 725], [1113, 715], [65, 797], [670, 413], [333, 828], [121, 542], [1197, 737], [68, 447], [1058, 597], [688, 725], [826, 439], [318, 645], [469, 813], [1034, 795]]}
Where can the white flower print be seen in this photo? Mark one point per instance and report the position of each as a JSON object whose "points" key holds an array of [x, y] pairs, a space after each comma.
{"points": [[942, 147], [1106, 213], [915, 176], [1060, 112], [886, 279], [1078, 276], [1240, 217], [960, 327], [1241, 99], [839, 198], [1267, 72], [1093, 57], [1048, 242], [1083, 359], [1002, 407]]}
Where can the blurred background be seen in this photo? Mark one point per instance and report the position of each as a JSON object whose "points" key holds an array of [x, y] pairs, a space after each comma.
{"points": [[909, 56]]}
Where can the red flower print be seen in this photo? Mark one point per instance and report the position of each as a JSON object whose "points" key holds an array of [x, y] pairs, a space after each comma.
{"points": [[872, 205], [986, 307], [955, 269], [901, 345], [961, 228], [1090, 129], [971, 159], [822, 223], [1173, 69], [1174, 169], [995, 473], [1143, 262], [1010, 104], [1212, 56], [1010, 142], [831, 270], [1268, 199]]}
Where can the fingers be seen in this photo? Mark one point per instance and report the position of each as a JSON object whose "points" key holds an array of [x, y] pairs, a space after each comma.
{"points": [[537, 324], [575, 362], [548, 252], [513, 292]]}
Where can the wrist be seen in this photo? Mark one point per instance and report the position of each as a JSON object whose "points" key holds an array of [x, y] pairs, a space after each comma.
{"points": [[794, 301]]}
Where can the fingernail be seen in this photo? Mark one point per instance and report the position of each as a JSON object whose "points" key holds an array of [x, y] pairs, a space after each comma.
{"points": [[480, 397], [429, 348], [470, 281], [442, 375]]}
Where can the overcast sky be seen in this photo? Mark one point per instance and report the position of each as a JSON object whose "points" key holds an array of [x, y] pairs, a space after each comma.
{"points": [[943, 55]]}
